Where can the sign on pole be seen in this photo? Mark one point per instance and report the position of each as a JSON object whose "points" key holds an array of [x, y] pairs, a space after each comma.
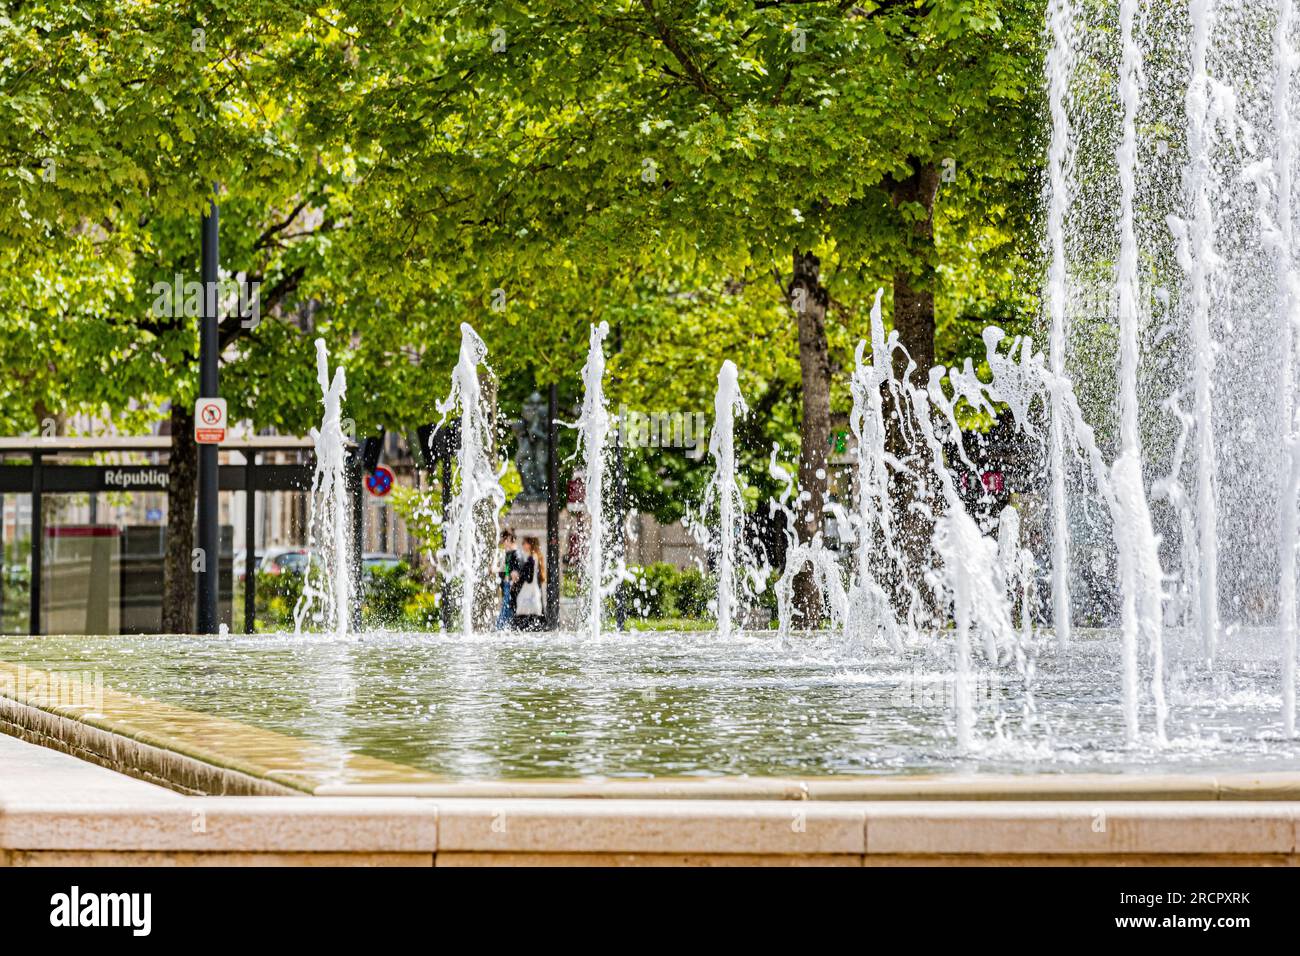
{"points": [[210, 421], [380, 482]]}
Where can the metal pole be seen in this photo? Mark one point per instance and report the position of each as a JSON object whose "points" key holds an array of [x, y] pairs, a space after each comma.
{"points": [[209, 350], [553, 570], [38, 535], [358, 530], [446, 507], [250, 541], [619, 529]]}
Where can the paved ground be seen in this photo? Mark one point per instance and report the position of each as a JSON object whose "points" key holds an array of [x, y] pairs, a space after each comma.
{"points": [[31, 774]]}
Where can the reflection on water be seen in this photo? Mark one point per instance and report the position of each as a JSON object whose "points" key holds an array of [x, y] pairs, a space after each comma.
{"points": [[548, 706]]}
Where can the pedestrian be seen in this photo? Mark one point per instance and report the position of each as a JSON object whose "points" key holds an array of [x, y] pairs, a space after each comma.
{"points": [[509, 576], [530, 606]]}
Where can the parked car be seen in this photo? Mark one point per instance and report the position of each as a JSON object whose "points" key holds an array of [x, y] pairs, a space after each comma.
{"points": [[295, 560], [378, 561], [284, 561], [237, 564]]}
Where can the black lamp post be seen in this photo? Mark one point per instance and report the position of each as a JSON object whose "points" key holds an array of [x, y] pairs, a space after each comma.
{"points": [[552, 510], [209, 352]]}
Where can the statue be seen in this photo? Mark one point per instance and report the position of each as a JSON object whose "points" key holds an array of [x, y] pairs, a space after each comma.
{"points": [[531, 460]]}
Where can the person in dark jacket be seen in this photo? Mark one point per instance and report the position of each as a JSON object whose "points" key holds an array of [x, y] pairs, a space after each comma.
{"points": [[509, 577], [530, 607]]}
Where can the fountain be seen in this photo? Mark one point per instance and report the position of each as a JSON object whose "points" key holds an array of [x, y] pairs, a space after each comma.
{"points": [[968, 572], [593, 427], [1135, 540], [1160, 547], [724, 488], [1164, 550], [327, 593], [1196, 256], [1059, 65], [478, 496], [1056, 585], [1166, 541], [813, 555], [1283, 237], [1204, 308], [873, 525]]}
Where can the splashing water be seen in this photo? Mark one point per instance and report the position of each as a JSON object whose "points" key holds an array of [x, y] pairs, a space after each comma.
{"points": [[873, 525], [1288, 300], [1017, 567], [1191, 222], [725, 489], [593, 439], [1059, 65], [968, 574], [798, 555], [1197, 257], [327, 586], [1135, 539], [978, 577], [474, 512]]}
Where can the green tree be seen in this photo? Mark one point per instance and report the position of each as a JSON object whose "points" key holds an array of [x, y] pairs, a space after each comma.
{"points": [[821, 144], [718, 179], [117, 118]]}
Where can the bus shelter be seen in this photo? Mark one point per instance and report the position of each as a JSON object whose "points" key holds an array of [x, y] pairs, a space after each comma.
{"points": [[94, 512]]}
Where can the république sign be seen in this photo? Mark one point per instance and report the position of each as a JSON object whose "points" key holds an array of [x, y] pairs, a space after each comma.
{"points": [[129, 478]]}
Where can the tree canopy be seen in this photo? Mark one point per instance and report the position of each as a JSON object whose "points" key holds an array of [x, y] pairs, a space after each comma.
{"points": [[388, 170]]}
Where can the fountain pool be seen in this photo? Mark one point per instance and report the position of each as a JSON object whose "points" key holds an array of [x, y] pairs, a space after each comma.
{"points": [[558, 706]]}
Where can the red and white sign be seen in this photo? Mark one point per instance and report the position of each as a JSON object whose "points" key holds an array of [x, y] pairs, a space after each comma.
{"points": [[380, 483], [210, 421]]}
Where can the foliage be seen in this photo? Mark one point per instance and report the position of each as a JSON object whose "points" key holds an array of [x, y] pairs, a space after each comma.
{"points": [[669, 624], [421, 612], [387, 593], [652, 591], [660, 591], [389, 171], [693, 593], [397, 598], [276, 597], [420, 511], [15, 586]]}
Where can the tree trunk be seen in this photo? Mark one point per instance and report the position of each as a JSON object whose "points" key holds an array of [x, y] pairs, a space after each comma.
{"points": [[179, 582], [810, 300], [914, 198]]}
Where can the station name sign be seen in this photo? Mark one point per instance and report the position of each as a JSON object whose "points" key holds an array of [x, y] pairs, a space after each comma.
{"points": [[58, 479], [128, 479]]}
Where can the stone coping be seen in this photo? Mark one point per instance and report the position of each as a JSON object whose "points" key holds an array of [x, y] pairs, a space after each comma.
{"points": [[527, 826], [471, 831], [202, 754], [968, 787], [56, 809]]}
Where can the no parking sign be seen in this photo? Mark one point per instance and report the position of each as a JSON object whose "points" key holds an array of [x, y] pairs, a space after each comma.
{"points": [[379, 482]]}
